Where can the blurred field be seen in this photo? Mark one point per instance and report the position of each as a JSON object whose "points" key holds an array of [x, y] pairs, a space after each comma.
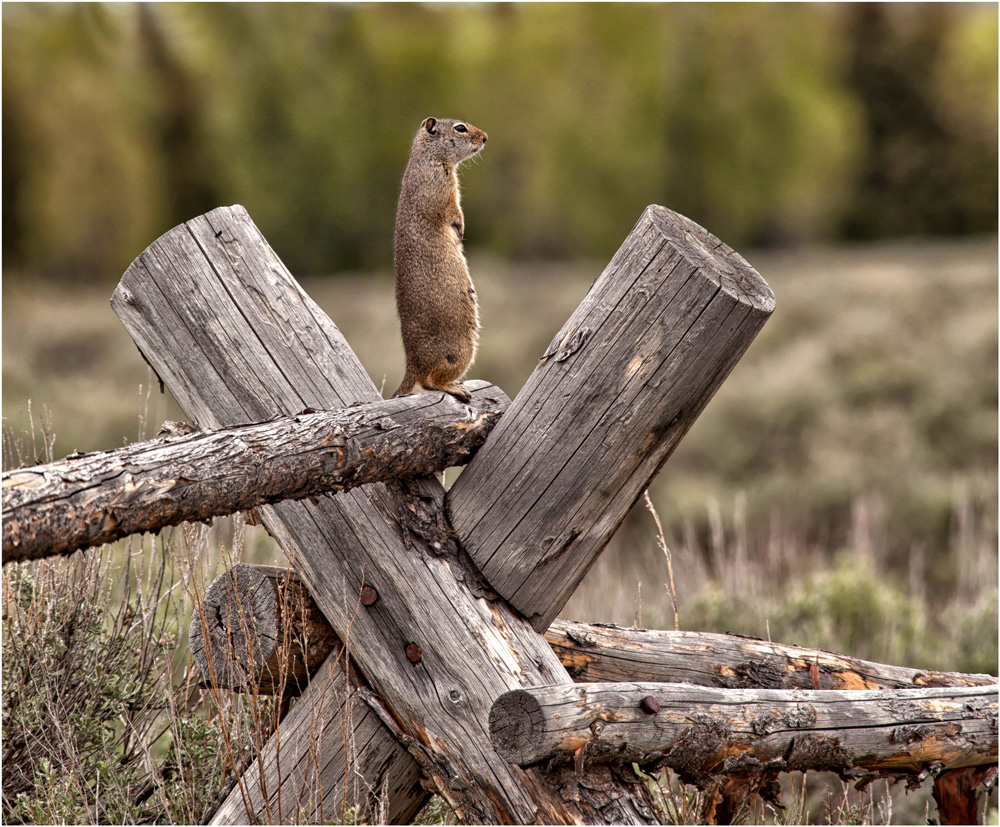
{"points": [[840, 491], [863, 417]]}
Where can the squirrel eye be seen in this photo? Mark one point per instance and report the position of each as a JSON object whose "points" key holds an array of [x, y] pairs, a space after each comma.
{"points": [[460, 127]]}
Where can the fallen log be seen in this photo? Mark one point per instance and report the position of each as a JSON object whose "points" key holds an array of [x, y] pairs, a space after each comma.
{"points": [[88, 499], [598, 652], [701, 732]]}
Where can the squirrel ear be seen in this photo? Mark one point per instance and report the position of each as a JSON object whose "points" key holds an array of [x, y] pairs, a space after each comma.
{"points": [[429, 124]]}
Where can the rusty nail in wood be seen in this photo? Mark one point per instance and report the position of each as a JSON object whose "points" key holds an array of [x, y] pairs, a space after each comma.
{"points": [[650, 704], [413, 653], [368, 596]]}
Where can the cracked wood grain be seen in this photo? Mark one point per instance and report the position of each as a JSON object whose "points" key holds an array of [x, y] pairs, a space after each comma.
{"points": [[699, 731], [235, 338], [614, 393]]}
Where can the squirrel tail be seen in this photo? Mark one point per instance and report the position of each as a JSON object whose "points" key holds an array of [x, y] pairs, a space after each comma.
{"points": [[406, 386]]}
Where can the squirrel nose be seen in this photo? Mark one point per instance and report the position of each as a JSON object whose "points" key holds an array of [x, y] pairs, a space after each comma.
{"points": [[485, 137]]}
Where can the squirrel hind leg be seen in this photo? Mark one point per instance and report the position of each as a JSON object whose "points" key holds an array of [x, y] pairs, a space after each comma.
{"points": [[407, 386], [444, 377], [458, 390]]}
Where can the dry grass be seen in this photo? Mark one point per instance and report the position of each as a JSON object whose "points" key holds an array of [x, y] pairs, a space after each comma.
{"points": [[106, 718], [840, 491]]}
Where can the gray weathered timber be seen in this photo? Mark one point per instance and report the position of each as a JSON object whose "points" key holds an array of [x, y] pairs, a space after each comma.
{"points": [[300, 776], [258, 629], [602, 652], [89, 499], [619, 386], [266, 632], [598, 652], [234, 337], [698, 731]]}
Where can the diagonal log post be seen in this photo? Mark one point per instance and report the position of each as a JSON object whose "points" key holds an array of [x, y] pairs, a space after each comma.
{"points": [[621, 384], [227, 329], [225, 326]]}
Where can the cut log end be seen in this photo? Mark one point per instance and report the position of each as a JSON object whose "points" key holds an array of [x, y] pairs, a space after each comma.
{"points": [[621, 383], [234, 633], [700, 731], [515, 722], [714, 257]]}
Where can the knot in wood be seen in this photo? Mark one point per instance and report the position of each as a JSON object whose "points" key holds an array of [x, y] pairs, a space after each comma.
{"points": [[766, 723], [570, 343]]}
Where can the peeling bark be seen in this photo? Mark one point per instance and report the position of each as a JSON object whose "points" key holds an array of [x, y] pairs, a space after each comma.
{"points": [[89, 499], [700, 732], [598, 652]]}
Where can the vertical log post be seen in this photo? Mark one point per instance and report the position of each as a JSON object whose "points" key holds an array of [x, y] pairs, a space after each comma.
{"points": [[620, 385]]}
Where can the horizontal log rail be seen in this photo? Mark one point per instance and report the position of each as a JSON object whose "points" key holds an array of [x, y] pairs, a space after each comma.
{"points": [[248, 609], [240, 615], [88, 499], [598, 652], [699, 731], [591, 652]]}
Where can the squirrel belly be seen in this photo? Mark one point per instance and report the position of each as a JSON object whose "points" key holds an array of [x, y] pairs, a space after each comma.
{"points": [[435, 297]]}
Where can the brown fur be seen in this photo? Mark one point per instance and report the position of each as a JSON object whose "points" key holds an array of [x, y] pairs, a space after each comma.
{"points": [[435, 298]]}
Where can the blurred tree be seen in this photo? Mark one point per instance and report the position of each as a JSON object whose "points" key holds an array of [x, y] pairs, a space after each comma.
{"points": [[189, 168], [84, 180], [931, 164], [769, 123], [760, 136], [14, 161]]}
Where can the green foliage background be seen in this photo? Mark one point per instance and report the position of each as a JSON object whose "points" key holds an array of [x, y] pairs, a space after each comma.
{"points": [[767, 123], [841, 489]]}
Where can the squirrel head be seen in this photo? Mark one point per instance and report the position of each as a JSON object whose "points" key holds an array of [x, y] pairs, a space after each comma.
{"points": [[448, 139]]}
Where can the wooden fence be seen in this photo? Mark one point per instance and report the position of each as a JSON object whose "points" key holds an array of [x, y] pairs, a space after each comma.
{"points": [[446, 682]]}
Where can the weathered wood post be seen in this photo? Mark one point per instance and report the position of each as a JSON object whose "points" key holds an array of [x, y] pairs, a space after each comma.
{"points": [[622, 382], [226, 327]]}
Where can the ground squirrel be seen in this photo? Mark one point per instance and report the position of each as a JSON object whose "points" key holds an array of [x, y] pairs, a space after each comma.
{"points": [[435, 298]]}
